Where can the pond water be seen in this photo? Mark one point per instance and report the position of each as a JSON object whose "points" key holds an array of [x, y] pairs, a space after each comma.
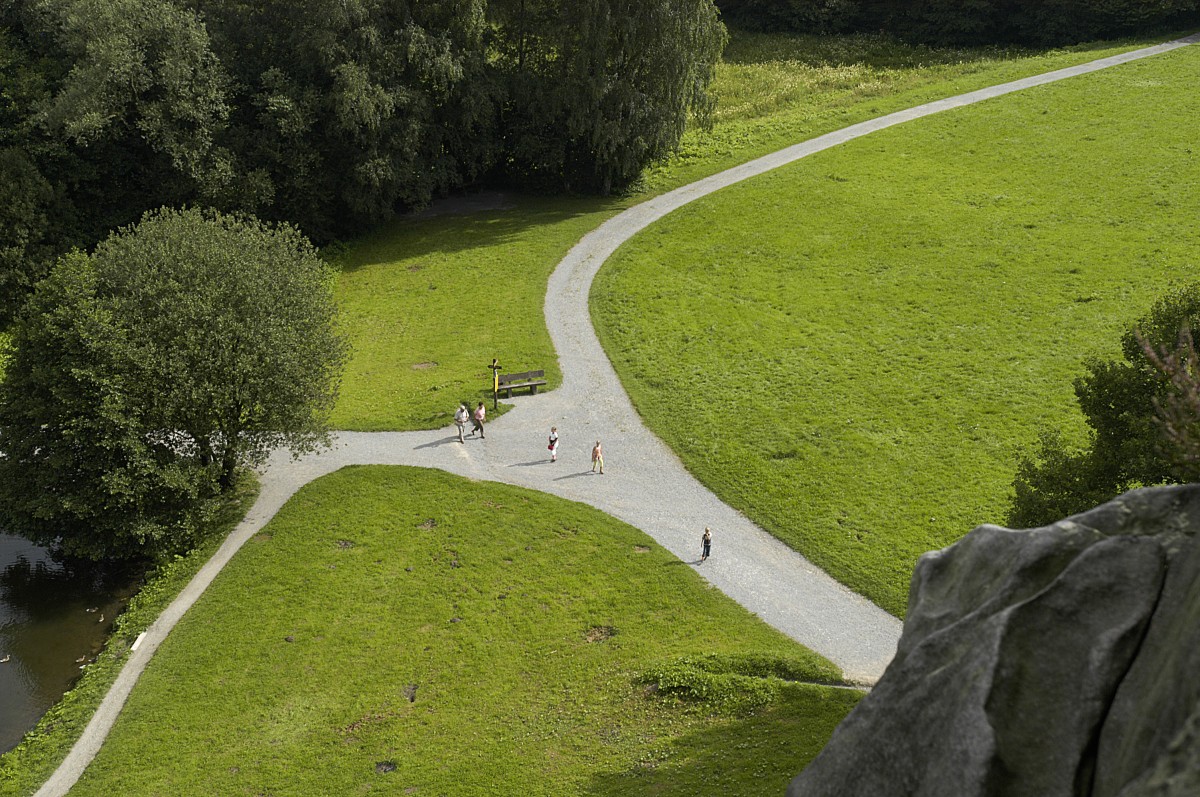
{"points": [[54, 618]]}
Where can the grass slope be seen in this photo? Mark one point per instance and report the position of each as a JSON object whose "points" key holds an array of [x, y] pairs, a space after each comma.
{"points": [[428, 302], [473, 636], [853, 349]]}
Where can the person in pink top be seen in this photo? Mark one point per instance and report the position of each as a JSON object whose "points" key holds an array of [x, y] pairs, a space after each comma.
{"points": [[478, 417]]}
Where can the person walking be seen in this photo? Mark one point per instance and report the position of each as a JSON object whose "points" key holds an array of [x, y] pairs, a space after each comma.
{"points": [[553, 444], [480, 414], [598, 457], [706, 544], [460, 420]]}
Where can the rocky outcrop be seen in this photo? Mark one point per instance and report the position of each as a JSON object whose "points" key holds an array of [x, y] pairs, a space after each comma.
{"points": [[1056, 661]]}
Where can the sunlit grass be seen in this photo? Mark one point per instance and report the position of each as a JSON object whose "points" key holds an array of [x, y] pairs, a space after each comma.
{"points": [[429, 302], [852, 350], [413, 632]]}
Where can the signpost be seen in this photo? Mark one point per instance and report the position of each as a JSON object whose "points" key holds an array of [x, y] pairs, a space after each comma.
{"points": [[495, 366]]}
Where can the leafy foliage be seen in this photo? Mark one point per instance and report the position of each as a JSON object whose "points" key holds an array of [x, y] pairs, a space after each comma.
{"points": [[1179, 409], [802, 16], [1127, 444], [966, 21], [596, 90], [329, 114], [144, 374], [345, 110]]}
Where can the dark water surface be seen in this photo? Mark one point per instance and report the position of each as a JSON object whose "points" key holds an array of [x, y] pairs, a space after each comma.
{"points": [[54, 618]]}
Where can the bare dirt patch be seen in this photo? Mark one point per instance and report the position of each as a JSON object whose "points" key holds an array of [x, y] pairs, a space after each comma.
{"points": [[599, 633], [423, 366]]}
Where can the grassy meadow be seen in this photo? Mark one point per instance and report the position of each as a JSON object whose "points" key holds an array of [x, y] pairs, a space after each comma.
{"points": [[429, 301], [412, 632], [852, 350]]}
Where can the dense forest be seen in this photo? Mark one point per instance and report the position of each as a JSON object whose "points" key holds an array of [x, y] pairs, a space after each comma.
{"points": [[1034, 22], [329, 114]]}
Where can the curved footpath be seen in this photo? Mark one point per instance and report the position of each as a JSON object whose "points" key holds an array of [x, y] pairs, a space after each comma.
{"points": [[645, 483]]}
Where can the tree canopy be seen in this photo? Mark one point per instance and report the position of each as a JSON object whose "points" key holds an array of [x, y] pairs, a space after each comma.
{"points": [[141, 376], [1036, 22], [329, 114]]}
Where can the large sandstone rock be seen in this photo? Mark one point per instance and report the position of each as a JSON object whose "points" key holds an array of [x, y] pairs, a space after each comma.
{"points": [[1055, 661]]}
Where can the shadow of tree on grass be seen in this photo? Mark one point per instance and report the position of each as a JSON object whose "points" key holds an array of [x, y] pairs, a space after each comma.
{"points": [[738, 756]]}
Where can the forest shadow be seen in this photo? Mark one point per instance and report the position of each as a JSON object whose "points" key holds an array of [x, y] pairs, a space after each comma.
{"points": [[478, 225], [875, 50]]}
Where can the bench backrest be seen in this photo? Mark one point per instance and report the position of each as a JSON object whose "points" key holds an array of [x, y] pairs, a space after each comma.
{"points": [[506, 378]]}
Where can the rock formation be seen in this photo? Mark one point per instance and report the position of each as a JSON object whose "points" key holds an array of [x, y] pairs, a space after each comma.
{"points": [[1056, 661]]}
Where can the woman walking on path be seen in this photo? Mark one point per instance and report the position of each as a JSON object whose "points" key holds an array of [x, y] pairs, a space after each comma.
{"points": [[460, 420], [706, 543], [553, 444], [597, 457], [480, 413]]}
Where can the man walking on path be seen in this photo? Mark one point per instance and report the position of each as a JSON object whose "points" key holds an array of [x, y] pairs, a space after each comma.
{"points": [[480, 413], [597, 457], [706, 543], [460, 420], [553, 444]]}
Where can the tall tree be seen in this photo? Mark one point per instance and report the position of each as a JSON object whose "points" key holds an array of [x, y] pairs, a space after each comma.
{"points": [[143, 375], [347, 110], [594, 90], [107, 108]]}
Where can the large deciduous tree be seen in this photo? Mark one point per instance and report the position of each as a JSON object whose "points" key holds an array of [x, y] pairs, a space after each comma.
{"points": [[594, 90], [346, 110], [143, 375]]}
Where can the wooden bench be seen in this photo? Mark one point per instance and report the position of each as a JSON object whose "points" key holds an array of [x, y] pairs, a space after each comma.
{"points": [[529, 379]]}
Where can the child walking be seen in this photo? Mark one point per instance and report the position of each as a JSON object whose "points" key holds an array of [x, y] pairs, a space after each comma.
{"points": [[553, 444], [706, 544], [597, 457]]}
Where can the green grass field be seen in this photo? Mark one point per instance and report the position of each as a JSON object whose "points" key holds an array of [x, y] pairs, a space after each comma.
{"points": [[852, 350], [468, 637], [429, 302]]}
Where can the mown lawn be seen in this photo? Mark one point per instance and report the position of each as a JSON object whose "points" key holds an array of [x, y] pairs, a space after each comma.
{"points": [[853, 350], [429, 302], [412, 632]]}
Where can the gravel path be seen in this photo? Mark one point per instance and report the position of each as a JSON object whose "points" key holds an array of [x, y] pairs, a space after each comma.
{"points": [[645, 484]]}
